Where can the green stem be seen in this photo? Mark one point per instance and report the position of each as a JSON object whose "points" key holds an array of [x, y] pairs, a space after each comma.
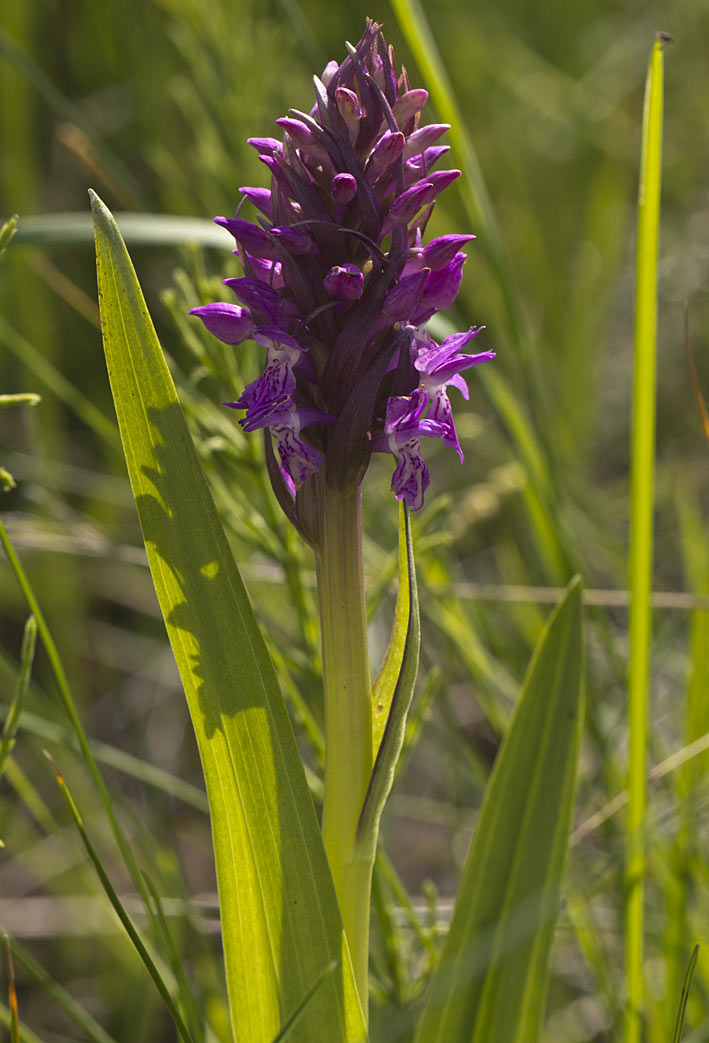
{"points": [[348, 713]]}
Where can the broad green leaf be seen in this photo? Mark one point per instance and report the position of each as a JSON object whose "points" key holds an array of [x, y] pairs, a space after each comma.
{"points": [[490, 984], [280, 923]]}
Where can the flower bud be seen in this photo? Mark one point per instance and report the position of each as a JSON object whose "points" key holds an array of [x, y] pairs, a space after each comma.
{"points": [[344, 281]]}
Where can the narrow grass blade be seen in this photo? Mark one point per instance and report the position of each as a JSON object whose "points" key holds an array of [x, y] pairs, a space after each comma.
{"points": [[29, 643], [641, 532], [123, 916], [686, 985], [12, 996], [280, 922], [168, 946], [490, 984], [62, 683], [90, 1028], [393, 692], [26, 1035]]}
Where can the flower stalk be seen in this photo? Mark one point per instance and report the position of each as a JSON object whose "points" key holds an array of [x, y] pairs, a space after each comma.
{"points": [[348, 712]]}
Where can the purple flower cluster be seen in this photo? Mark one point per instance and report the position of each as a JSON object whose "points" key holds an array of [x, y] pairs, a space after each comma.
{"points": [[338, 283]]}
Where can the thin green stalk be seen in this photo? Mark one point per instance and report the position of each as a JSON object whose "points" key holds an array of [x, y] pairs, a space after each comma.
{"points": [[641, 510], [348, 713]]}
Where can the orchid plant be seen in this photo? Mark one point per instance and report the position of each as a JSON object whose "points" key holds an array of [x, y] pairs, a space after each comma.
{"points": [[337, 287]]}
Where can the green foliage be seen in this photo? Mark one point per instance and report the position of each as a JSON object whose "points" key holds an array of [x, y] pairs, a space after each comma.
{"points": [[490, 983]]}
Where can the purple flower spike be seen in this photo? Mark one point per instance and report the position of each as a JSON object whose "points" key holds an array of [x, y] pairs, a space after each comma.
{"points": [[337, 283], [228, 322], [344, 281]]}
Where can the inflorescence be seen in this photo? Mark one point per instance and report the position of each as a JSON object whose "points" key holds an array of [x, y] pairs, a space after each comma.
{"points": [[338, 284]]}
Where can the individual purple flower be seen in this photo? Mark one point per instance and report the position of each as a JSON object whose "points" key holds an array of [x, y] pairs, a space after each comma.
{"points": [[403, 429], [277, 382], [338, 281], [285, 420], [440, 365]]}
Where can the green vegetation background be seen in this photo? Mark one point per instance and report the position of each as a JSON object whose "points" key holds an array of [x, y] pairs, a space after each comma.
{"points": [[150, 103]]}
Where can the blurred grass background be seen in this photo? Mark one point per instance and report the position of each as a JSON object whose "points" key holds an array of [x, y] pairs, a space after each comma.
{"points": [[151, 104]]}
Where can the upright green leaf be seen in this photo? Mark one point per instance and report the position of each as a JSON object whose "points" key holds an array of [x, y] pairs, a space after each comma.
{"points": [[280, 922], [490, 984], [392, 693], [642, 497]]}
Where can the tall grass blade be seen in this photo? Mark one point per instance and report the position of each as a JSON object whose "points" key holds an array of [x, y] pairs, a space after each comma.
{"points": [[490, 984], [641, 534], [280, 922], [12, 996], [90, 1028], [120, 911], [686, 985], [26, 1035], [29, 643], [62, 683], [176, 966]]}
